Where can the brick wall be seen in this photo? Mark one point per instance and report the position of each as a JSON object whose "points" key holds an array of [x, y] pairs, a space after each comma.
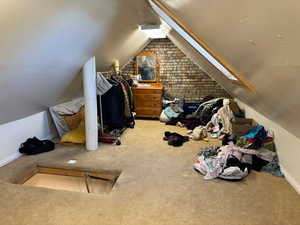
{"points": [[179, 75]]}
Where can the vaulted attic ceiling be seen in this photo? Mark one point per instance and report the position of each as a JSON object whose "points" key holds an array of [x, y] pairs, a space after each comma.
{"points": [[44, 46], [260, 40], [45, 43]]}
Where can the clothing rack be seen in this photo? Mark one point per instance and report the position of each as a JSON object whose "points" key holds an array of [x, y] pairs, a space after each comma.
{"points": [[116, 133]]}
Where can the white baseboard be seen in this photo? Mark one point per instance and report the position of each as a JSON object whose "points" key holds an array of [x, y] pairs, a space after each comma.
{"points": [[9, 159], [290, 179], [18, 131], [16, 155]]}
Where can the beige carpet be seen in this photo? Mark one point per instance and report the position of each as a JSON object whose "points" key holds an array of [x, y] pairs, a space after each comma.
{"points": [[157, 186]]}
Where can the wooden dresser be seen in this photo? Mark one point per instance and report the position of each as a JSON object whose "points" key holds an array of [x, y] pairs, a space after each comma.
{"points": [[148, 100]]}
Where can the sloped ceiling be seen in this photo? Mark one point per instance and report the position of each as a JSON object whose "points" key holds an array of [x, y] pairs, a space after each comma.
{"points": [[258, 38], [43, 45]]}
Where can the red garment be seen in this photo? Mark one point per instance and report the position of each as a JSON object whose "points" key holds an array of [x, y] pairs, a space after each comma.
{"points": [[251, 140], [269, 139]]}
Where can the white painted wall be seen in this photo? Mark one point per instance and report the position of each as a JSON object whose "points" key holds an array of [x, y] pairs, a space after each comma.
{"points": [[44, 44], [287, 144], [16, 132]]}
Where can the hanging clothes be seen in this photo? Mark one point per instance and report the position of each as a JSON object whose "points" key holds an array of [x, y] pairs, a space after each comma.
{"points": [[102, 84], [129, 103], [126, 99], [112, 107], [117, 104]]}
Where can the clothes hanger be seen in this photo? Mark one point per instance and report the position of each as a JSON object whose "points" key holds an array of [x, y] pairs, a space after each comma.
{"points": [[113, 80]]}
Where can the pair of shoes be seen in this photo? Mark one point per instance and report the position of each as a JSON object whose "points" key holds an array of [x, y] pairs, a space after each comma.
{"points": [[34, 146]]}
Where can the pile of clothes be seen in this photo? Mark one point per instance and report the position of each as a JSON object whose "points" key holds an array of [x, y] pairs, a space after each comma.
{"points": [[174, 115], [173, 109], [220, 122], [207, 109], [213, 117], [238, 156]]}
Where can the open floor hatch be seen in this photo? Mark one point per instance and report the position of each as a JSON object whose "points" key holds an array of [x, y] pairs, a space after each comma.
{"points": [[71, 180]]}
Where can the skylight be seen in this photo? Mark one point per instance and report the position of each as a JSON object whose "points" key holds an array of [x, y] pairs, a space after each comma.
{"points": [[153, 31], [192, 41]]}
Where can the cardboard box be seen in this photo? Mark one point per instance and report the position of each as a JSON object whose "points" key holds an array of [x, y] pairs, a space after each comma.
{"points": [[240, 126], [234, 107]]}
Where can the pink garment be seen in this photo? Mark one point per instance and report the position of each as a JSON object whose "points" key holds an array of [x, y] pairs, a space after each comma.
{"points": [[214, 166], [237, 152]]}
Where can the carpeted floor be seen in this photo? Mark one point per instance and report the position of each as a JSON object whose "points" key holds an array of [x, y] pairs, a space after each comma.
{"points": [[157, 186]]}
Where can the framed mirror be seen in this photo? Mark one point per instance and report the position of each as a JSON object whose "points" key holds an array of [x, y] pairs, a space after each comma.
{"points": [[147, 67]]}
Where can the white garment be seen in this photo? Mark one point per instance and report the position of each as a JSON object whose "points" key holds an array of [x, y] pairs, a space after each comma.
{"points": [[67, 108], [102, 84], [234, 173], [198, 133], [223, 116], [163, 117]]}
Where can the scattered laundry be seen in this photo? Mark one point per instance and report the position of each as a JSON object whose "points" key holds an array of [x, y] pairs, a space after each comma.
{"points": [[225, 157], [201, 116], [246, 145], [273, 168], [171, 113], [233, 173], [223, 116], [206, 110], [258, 131], [189, 123], [199, 133], [172, 110], [163, 117], [214, 116], [175, 139], [237, 156]]}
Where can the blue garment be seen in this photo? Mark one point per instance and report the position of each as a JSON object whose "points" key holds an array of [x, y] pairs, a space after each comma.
{"points": [[273, 168], [170, 112], [257, 132]]}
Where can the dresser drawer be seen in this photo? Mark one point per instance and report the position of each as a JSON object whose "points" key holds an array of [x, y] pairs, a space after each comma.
{"points": [[152, 104], [148, 101], [147, 91], [147, 98]]}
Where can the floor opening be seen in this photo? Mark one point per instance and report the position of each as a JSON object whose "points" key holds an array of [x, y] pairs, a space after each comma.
{"points": [[71, 180]]}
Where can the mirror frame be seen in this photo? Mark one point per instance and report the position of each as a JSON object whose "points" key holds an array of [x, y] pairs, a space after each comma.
{"points": [[157, 69]]}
